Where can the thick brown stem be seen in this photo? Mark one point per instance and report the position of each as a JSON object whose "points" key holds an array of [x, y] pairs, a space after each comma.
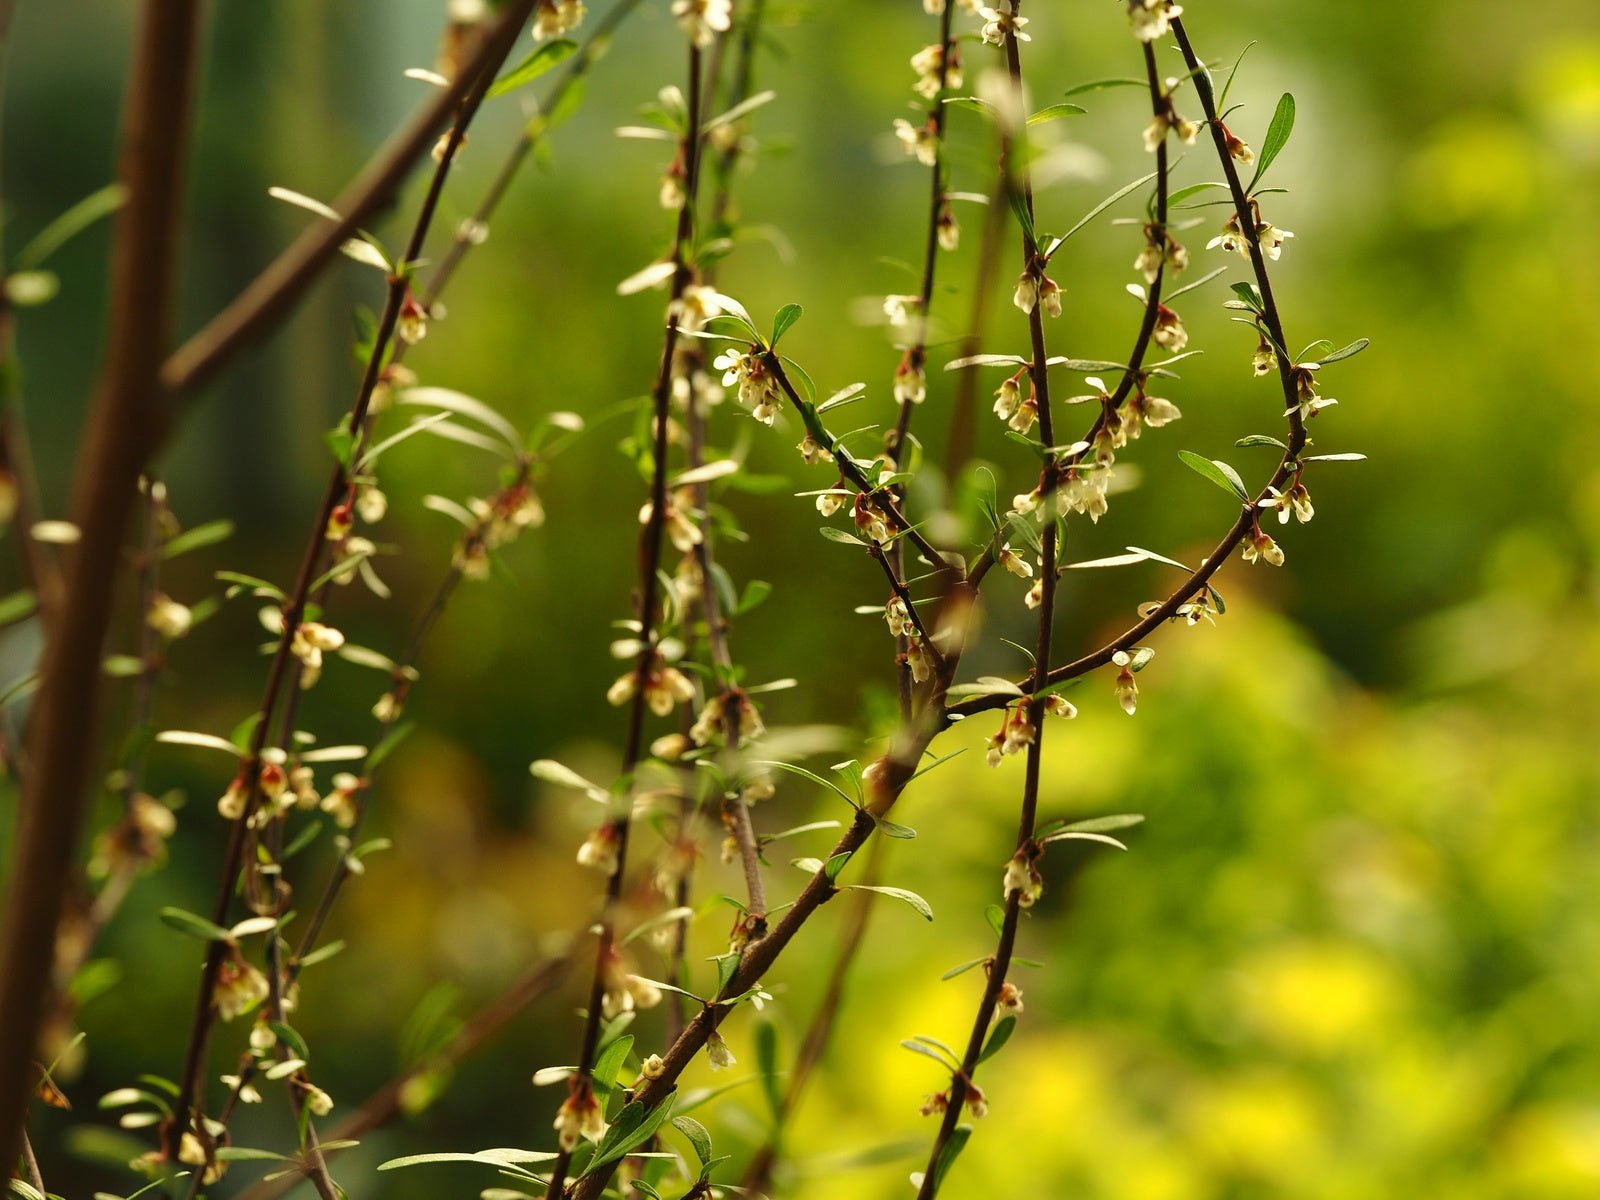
{"points": [[127, 422]]}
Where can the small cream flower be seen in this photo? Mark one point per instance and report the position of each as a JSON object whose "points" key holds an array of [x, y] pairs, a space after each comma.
{"points": [[552, 18], [997, 26], [1152, 18], [702, 20], [1015, 563], [238, 989], [718, 1056], [918, 141], [599, 850], [1258, 547], [167, 617], [1127, 690], [1023, 878]]}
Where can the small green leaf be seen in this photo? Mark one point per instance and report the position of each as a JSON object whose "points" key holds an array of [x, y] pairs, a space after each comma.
{"points": [[901, 894], [836, 864], [996, 916], [194, 926], [1100, 85], [891, 830], [1055, 112], [610, 1061], [840, 536], [1260, 439], [18, 605], [947, 1157], [93, 207], [1350, 351], [787, 316], [1219, 473], [767, 1064], [698, 1137], [998, 1037], [811, 775], [632, 1128], [545, 56], [963, 968], [1277, 138], [208, 534]]}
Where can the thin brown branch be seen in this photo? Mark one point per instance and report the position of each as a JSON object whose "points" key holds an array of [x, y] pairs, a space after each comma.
{"points": [[280, 674], [126, 423], [819, 1032], [962, 1086], [1246, 522], [650, 554]]}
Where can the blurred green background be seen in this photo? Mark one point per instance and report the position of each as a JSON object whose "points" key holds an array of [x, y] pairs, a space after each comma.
{"points": [[1353, 952]]}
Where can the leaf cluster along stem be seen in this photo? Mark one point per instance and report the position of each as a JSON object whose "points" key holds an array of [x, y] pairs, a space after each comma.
{"points": [[893, 772], [650, 554], [280, 672], [343, 868], [1246, 521]]}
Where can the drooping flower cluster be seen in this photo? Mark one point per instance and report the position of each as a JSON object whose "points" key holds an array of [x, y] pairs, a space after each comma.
{"points": [[919, 141], [1023, 878], [927, 63], [1152, 18], [730, 710], [552, 18], [702, 20], [1159, 247], [1168, 118], [997, 26], [580, 1115], [759, 390], [1233, 238], [665, 686]]}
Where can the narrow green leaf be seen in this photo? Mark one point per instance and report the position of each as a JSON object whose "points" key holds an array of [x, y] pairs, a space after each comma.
{"points": [[1055, 112], [194, 926], [1350, 351], [698, 1137], [1277, 137], [901, 894], [208, 534], [947, 1157], [1100, 85], [93, 207], [787, 316], [1260, 439], [610, 1061], [545, 56], [1100, 208], [998, 1037], [1219, 473]]}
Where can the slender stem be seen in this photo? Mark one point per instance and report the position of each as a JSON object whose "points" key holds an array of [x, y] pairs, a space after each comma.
{"points": [[961, 1083], [650, 554], [126, 423], [280, 673], [30, 1163], [819, 1032]]}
